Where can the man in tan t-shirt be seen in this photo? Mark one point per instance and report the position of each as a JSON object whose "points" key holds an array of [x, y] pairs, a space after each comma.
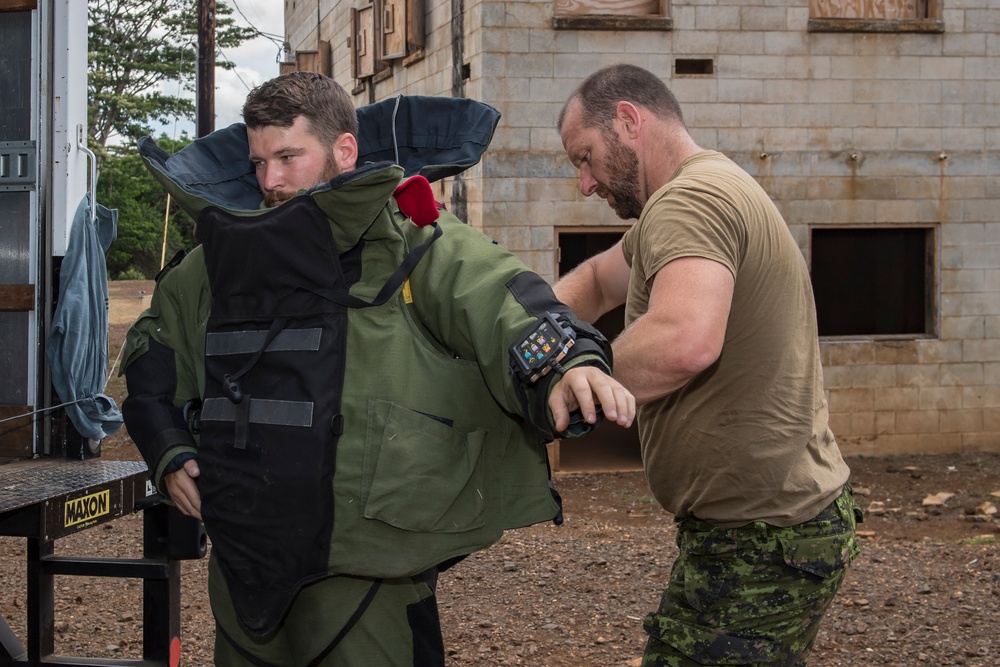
{"points": [[720, 349]]}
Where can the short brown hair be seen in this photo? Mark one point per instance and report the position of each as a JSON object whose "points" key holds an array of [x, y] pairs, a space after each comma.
{"points": [[317, 98], [601, 92]]}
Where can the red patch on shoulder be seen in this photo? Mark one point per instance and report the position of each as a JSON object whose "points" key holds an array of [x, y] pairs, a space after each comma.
{"points": [[416, 200]]}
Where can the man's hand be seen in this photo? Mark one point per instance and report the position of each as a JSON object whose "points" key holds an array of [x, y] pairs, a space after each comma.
{"points": [[182, 489], [585, 387]]}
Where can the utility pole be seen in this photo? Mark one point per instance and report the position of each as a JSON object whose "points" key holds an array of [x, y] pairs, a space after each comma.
{"points": [[206, 67]]}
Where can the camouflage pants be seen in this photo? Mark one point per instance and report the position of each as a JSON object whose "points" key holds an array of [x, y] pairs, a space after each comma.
{"points": [[752, 595]]}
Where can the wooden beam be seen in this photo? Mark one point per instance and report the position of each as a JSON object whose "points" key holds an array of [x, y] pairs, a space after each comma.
{"points": [[875, 25], [17, 297], [18, 5], [592, 22], [15, 435]]}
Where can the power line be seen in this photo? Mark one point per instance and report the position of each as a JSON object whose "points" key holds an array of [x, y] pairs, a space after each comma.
{"points": [[271, 36], [234, 68]]}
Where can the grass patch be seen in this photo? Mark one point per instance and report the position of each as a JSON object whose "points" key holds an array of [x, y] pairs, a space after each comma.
{"points": [[628, 497]]}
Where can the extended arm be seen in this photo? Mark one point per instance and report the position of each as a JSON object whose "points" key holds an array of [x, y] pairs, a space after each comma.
{"points": [[682, 332], [597, 285]]}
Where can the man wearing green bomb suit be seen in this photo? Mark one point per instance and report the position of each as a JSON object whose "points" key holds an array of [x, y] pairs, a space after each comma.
{"points": [[332, 383], [720, 349]]}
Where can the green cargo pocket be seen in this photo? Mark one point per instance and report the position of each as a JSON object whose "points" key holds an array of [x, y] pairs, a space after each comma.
{"points": [[821, 556], [426, 476], [711, 567], [704, 646]]}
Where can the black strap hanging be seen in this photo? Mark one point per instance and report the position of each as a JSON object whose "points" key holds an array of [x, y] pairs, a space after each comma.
{"points": [[393, 283]]}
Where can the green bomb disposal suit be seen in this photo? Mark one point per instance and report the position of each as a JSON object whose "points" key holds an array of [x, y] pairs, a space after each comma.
{"points": [[350, 424]]}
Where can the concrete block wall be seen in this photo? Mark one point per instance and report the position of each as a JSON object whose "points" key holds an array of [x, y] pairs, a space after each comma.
{"points": [[427, 73], [841, 128]]}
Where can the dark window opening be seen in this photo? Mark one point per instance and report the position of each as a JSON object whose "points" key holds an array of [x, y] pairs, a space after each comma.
{"points": [[610, 447], [694, 66], [873, 281], [573, 250]]}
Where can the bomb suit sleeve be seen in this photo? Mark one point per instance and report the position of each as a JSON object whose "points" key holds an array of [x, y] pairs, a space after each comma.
{"points": [[478, 299], [162, 369]]}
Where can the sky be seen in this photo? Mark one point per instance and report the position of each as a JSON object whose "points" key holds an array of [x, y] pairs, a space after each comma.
{"points": [[256, 62]]}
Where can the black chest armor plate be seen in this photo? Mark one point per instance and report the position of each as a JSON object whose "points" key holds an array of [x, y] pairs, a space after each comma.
{"points": [[275, 363]]}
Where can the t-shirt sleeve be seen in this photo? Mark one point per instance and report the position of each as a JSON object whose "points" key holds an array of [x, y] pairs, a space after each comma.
{"points": [[687, 222]]}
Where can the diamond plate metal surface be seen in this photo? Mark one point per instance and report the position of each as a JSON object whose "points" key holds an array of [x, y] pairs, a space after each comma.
{"points": [[30, 482]]}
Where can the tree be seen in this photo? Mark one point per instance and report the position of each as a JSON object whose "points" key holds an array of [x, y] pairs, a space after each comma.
{"points": [[141, 201], [136, 45]]}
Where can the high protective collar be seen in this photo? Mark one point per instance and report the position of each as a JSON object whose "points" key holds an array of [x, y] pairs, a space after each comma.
{"points": [[432, 136]]}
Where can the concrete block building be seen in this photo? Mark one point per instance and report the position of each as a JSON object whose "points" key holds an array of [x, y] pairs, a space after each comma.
{"points": [[873, 124]]}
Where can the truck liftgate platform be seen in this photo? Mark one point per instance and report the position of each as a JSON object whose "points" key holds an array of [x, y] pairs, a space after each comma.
{"points": [[46, 499]]}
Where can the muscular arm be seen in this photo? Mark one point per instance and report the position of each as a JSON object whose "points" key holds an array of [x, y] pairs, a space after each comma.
{"points": [[682, 332], [597, 285]]}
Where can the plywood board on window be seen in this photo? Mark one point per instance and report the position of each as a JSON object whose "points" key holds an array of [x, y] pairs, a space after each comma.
{"points": [[869, 9], [318, 61], [325, 58], [415, 11], [307, 61], [607, 7], [363, 41], [393, 29]]}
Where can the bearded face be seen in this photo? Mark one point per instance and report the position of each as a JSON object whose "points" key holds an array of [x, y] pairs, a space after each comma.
{"points": [[282, 194], [288, 160], [623, 187]]}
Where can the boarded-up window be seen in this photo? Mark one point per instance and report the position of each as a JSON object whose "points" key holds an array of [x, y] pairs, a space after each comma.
{"points": [[320, 61], [325, 58], [363, 42], [384, 31], [869, 9], [402, 27], [607, 7], [611, 15], [393, 28], [875, 16], [307, 61]]}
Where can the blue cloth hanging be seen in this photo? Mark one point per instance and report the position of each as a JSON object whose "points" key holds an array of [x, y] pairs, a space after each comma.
{"points": [[77, 348]]}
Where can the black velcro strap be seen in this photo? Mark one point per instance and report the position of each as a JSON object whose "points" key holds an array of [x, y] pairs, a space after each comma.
{"points": [[261, 411], [221, 343], [242, 429], [315, 662], [246, 655], [351, 622]]}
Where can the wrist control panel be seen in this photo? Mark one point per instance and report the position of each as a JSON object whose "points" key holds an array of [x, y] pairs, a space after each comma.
{"points": [[541, 348]]}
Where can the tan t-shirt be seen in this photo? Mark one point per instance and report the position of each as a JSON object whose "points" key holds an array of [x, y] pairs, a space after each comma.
{"points": [[747, 439]]}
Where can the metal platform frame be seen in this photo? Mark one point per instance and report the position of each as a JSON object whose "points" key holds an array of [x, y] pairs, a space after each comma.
{"points": [[43, 500]]}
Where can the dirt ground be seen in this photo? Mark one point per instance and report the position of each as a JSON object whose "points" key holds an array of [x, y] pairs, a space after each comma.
{"points": [[925, 590]]}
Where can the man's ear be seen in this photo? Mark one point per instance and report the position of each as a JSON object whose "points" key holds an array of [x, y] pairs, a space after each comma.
{"points": [[345, 151], [628, 118]]}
